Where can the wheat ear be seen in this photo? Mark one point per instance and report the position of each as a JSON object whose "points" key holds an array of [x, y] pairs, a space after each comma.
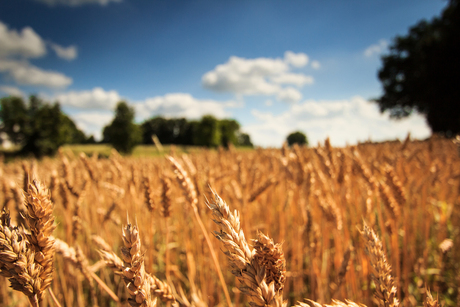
{"points": [[430, 301], [133, 269], [17, 261], [386, 290], [40, 220], [261, 271]]}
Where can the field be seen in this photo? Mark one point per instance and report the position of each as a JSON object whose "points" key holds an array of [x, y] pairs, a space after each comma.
{"points": [[322, 204]]}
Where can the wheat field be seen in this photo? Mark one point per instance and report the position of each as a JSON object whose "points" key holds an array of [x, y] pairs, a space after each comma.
{"points": [[375, 224]]}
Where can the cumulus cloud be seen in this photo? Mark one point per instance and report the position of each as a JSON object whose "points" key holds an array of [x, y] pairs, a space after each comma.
{"points": [[25, 73], [17, 47], [25, 43], [294, 79], [348, 120], [76, 2], [92, 122], [260, 76], [289, 94], [11, 91], [97, 98], [296, 59], [181, 105], [378, 48], [66, 53]]}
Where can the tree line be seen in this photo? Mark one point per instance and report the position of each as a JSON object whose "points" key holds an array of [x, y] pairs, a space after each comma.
{"points": [[40, 128]]}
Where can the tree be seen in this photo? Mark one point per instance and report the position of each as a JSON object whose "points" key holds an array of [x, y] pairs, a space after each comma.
{"points": [[297, 138], [168, 131], [122, 133], [422, 72], [39, 127], [228, 132], [244, 140], [14, 117], [206, 132]]}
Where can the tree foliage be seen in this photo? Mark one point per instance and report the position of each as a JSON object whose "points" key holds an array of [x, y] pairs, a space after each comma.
{"points": [[122, 133], [229, 129], [208, 132], [169, 131], [297, 137], [422, 72], [39, 128]]}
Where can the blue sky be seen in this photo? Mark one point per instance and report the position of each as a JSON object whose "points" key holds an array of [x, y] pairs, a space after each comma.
{"points": [[275, 66]]}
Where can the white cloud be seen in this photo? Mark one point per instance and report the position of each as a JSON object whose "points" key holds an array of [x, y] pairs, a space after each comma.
{"points": [[25, 73], [290, 78], [296, 59], [349, 120], [315, 65], [182, 105], [76, 2], [12, 91], [378, 48], [25, 43], [289, 94], [92, 122], [260, 76], [66, 53], [97, 98], [15, 50]]}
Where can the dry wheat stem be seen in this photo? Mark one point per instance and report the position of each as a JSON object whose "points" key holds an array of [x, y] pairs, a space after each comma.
{"points": [[190, 192], [70, 254]]}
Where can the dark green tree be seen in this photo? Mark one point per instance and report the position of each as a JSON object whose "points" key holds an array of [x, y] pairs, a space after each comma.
{"points": [[422, 72], [206, 132], [122, 133], [90, 140], [168, 131], [14, 117], [228, 132], [244, 140], [39, 127], [297, 137]]}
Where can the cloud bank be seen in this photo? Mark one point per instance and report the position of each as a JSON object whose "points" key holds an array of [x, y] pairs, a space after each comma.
{"points": [[93, 109], [97, 98], [343, 121], [24, 73]]}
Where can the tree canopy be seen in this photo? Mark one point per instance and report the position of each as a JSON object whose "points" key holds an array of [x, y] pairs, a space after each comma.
{"points": [[208, 131], [39, 128], [297, 137], [422, 72], [122, 133]]}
